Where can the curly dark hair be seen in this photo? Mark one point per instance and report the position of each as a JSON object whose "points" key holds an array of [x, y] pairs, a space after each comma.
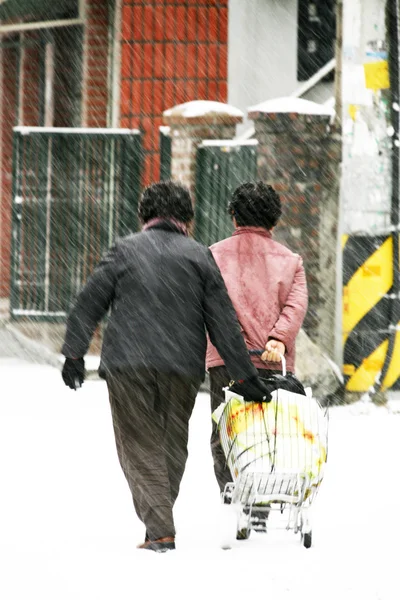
{"points": [[255, 204], [166, 199]]}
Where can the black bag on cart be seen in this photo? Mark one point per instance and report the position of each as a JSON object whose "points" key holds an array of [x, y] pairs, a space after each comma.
{"points": [[283, 382], [276, 381]]}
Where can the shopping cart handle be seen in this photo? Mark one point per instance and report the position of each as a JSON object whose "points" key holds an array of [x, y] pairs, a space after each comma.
{"points": [[260, 352]]}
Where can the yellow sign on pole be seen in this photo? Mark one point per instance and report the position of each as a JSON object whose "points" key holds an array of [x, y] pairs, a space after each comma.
{"points": [[377, 75]]}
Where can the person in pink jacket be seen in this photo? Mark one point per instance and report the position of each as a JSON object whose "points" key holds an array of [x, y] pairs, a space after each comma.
{"points": [[267, 285]]}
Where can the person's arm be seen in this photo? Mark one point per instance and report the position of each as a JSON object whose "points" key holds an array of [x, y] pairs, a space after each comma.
{"points": [[223, 326], [91, 306], [292, 316]]}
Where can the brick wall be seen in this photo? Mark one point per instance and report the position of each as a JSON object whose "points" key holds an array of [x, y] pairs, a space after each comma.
{"points": [[8, 101], [29, 113], [300, 158], [96, 50], [186, 139], [171, 52]]}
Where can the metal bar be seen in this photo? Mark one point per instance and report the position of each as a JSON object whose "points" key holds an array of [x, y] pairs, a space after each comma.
{"points": [[27, 223], [225, 181], [17, 27], [201, 197], [220, 168], [115, 64], [165, 154], [109, 186], [20, 88], [316, 78], [82, 9], [15, 270], [115, 175], [48, 225], [49, 85], [77, 205], [102, 197]]}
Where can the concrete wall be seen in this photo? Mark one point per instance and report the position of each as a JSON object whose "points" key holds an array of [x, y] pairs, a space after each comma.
{"points": [[262, 50]]}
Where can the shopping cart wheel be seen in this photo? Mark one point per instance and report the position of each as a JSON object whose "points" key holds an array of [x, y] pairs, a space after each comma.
{"points": [[243, 534], [307, 539], [243, 527]]}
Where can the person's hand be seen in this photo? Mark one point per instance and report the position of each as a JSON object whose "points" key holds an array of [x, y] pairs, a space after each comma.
{"points": [[73, 372], [273, 349], [252, 390]]}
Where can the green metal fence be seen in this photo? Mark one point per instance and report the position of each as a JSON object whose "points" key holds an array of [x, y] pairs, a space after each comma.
{"points": [[221, 166], [74, 191]]}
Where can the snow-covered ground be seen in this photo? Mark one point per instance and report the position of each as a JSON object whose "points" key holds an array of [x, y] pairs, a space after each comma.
{"points": [[68, 530]]}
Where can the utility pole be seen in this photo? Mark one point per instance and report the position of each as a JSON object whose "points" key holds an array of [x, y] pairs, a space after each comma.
{"points": [[338, 67], [366, 196], [393, 23]]}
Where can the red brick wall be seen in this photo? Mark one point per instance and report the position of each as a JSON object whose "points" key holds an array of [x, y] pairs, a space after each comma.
{"points": [[171, 52], [7, 120], [31, 98], [96, 63], [30, 115]]}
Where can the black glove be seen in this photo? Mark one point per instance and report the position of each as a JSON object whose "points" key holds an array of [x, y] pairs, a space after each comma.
{"points": [[287, 382], [73, 372], [252, 390]]}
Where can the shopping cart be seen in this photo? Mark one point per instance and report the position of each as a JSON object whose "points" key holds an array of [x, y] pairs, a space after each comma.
{"points": [[276, 453]]}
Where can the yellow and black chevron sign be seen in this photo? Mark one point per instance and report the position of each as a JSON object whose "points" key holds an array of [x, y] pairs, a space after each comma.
{"points": [[367, 283]]}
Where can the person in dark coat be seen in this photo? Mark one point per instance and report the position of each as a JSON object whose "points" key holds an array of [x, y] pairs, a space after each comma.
{"points": [[165, 293]]}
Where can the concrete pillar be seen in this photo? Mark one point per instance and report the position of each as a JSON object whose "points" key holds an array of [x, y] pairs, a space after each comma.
{"points": [[366, 183], [299, 155], [190, 124]]}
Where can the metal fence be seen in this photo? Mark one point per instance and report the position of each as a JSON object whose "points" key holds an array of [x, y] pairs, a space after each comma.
{"points": [[74, 191], [165, 153], [221, 166]]}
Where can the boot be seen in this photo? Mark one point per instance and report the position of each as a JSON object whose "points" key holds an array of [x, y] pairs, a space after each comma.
{"points": [[161, 545]]}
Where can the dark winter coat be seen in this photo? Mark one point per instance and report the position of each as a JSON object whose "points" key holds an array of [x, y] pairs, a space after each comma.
{"points": [[164, 290]]}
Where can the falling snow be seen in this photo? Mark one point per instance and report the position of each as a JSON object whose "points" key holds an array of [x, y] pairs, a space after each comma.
{"points": [[68, 529]]}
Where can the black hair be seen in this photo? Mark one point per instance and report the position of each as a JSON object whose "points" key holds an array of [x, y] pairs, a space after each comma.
{"points": [[255, 204], [166, 199]]}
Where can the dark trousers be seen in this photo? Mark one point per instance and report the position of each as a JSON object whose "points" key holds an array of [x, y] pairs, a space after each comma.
{"points": [[151, 413], [219, 378]]}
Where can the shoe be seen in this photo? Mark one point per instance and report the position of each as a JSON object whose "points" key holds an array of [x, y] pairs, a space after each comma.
{"points": [[161, 545]]}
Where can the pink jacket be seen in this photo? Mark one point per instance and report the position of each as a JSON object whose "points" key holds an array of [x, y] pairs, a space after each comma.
{"points": [[267, 285]]}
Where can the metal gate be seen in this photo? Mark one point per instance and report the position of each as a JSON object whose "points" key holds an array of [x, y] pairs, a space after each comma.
{"points": [[221, 166], [165, 153], [74, 191]]}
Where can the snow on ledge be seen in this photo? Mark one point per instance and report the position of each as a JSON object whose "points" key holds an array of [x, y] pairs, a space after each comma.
{"points": [[25, 130], [292, 105], [200, 108], [225, 143]]}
